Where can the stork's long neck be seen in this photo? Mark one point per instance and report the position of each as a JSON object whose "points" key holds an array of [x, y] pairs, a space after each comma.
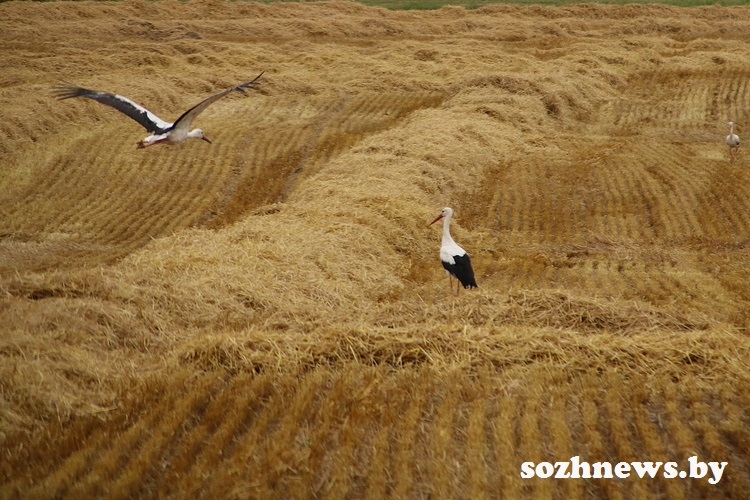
{"points": [[447, 239], [731, 129]]}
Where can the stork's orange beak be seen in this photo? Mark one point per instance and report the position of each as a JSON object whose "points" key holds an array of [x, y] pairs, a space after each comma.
{"points": [[436, 219], [206, 139]]}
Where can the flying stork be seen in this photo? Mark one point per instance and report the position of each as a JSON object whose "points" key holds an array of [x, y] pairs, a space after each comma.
{"points": [[454, 258], [162, 132], [733, 141]]}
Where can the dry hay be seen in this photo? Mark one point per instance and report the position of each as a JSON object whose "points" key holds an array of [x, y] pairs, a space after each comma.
{"points": [[271, 308]]}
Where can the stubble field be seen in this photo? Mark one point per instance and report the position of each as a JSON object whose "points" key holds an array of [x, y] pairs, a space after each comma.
{"points": [[266, 316]]}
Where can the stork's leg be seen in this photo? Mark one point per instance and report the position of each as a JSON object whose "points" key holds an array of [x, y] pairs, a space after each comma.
{"points": [[450, 284]]}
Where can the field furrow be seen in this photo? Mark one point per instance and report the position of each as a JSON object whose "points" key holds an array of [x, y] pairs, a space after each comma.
{"points": [[71, 470], [479, 466], [442, 459], [531, 433], [561, 439], [140, 475], [596, 442], [244, 419], [505, 437], [352, 458], [650, 435], [380, 477], [145, 436], [736, 442], [92, 186], [622, 435], [407, 434]]}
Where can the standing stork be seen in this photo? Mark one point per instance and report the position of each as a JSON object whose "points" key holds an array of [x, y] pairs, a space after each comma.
{"points": [[733, 141], [454, 258], [162, 132]]}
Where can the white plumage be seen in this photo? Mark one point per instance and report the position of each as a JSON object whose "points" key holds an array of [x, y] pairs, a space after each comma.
{"points": [[733, 141]]}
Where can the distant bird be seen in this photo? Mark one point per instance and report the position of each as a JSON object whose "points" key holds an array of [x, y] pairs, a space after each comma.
{"points": [[454, 258], [162, 131], [733, 141]]}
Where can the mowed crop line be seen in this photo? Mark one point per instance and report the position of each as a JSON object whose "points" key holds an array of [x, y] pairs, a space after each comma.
{"points": [[681, 181], [348, 476], [647, 200], [176, 186], [494, 201], [676, 99], [245, 420], [139, 471], [70, 471], [56, 201], [736, 92], [722, 219], [620, 211], [531, 438], [623, 435], [559, 421], [269, 159], [609, 179], [731, 423], [447, 438], [679, 431], [728, 207], [81, 186], [91, 185], [522, 195], [212, 437], [408, 434], [166, 208], [318, 130], [257, 161], [652, 201], [653, 446], [327, 450]]}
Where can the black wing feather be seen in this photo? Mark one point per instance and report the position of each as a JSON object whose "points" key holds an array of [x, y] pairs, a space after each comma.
{"points": [[144, 117], [462, 270]]}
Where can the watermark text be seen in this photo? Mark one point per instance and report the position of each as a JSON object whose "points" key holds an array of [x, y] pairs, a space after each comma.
{"points": [[577, 469]]}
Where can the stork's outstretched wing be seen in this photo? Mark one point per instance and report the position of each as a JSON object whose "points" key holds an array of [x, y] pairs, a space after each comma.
{"points": [[146, 118], [188, 116]]}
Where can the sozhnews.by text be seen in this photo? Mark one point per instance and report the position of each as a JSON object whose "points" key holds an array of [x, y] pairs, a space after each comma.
{"points": [[577, 469]]}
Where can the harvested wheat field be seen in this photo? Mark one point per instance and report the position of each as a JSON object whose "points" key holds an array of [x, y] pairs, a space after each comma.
{"points": [[267, 317]]}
